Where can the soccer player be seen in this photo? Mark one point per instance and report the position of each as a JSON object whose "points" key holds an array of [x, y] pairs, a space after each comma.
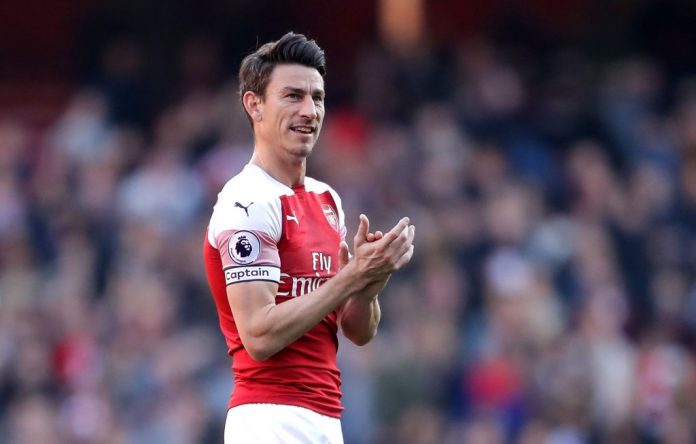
{"points": [[278, 266]]}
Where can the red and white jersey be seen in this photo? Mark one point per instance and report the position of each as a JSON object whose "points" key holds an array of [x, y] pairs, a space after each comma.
{"points": [[263, 230]]}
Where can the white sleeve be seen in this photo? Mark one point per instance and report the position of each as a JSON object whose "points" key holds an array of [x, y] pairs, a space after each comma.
{"points": [[246, 233]]}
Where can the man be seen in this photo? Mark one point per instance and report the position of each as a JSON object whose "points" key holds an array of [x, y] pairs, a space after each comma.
{"points": [[277, 264]]}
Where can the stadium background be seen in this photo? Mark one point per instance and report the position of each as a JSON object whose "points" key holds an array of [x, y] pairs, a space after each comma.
{"points": [[545, 150]]}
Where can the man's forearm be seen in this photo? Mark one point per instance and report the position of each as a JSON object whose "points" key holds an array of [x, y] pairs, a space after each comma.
{"points": [[268, 329], [359, 318]]}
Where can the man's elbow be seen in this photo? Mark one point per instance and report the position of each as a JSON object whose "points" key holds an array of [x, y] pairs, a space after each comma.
{"points": [[362, 338], [259, 349]]}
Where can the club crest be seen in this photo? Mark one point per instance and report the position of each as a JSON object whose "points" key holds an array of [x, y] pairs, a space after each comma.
{"points": [[330, 215]]}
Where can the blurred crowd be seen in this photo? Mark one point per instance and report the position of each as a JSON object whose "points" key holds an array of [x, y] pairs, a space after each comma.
{"points": [[552, 296]]}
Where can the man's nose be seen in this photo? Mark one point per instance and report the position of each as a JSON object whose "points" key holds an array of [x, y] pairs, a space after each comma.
{"points": [[309, 108]]}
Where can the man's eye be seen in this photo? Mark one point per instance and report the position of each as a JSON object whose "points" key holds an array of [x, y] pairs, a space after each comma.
{"points": [[293, 96]]}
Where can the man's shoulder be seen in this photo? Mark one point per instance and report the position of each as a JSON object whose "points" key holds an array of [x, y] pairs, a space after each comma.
{"points": [[250, 184], [248, 201]]}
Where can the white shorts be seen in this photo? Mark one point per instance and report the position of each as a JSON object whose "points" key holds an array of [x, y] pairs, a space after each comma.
{"points": [[280, 424]]}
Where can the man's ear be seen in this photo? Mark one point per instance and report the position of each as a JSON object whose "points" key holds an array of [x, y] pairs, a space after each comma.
{"points": [[253, 104]]}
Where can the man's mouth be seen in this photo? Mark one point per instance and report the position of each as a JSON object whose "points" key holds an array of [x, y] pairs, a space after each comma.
{"points": [[303, 129]]}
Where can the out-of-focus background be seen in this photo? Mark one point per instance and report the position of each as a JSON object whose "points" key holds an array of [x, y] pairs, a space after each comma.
{"points": [[545, 150]]}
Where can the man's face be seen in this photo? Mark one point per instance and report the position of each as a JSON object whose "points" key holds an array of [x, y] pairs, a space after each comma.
{"points": [[292, 111]]}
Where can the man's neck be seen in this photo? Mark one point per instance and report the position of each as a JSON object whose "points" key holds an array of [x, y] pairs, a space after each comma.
{"points": [[290, 173]]}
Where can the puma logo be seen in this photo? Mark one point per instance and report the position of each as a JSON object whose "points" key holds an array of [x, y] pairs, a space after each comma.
{"points": [[246, 209], [293, 218]]}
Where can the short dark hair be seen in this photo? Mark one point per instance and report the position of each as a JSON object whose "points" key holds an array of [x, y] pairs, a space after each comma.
{"points": [[255, 71]]}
